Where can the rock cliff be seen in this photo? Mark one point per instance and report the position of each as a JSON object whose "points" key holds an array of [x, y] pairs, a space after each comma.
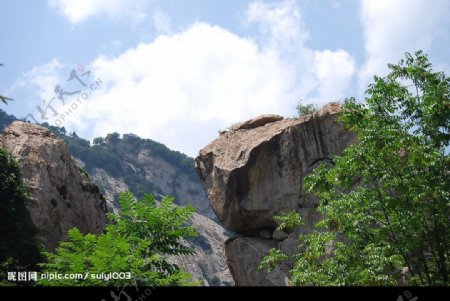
{"points": [[143, 165], [165, 177], [61, 195], [251, 173], [208, 264]]}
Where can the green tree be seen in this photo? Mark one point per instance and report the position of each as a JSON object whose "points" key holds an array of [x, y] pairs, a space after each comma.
{"points": [[113, 138], [99, 141], [138, 241], [386, 200], [18, 249], [307, 109]]}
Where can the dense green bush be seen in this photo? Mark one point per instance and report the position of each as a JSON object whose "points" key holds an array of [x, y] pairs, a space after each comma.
{"points": [[138, 241], [18, 249]]}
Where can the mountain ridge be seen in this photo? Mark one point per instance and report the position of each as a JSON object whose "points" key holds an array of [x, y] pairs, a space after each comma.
{"points": [[167, 172]]}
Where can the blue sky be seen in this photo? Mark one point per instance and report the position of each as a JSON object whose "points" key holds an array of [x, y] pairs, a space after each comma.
{"points": [[178, 71]]}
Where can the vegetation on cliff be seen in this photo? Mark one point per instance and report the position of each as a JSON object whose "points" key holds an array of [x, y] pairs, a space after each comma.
{"points": [[18, 249], [386, 200], [5, 120], [305, 109], [137, 242], [104, 154]]}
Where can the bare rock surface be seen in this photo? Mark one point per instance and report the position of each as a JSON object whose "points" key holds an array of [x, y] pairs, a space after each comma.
{"points": [[256, 170], [62, 196]]}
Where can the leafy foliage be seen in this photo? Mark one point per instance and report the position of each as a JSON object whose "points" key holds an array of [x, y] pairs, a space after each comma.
{"points": [[386, 201], [307, 109], [18, 249], [288, 220], [139, 240], [274, 257]]}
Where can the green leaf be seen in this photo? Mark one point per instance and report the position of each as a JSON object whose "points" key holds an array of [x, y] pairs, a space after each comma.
{"points": [[139, 241], [385, 201]]}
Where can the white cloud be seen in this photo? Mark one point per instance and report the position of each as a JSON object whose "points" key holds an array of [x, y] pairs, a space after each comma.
{"points": [[181, 88], [334, 71], [35, 86], [162, 22], [282, 24], [77, 11], [285, 33], [36, 89], [394, 27], [42, 79]]}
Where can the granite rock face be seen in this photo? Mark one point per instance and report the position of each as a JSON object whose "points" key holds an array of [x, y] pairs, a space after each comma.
{"points": [[256, 122], [61, 195], [251, 174], [208, 264], [244, 255], [153, 167]]}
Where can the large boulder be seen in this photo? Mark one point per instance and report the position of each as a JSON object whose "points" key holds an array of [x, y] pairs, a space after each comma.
{"points": [[251, 173], [256, 122], [61, 195], [244, 255]]}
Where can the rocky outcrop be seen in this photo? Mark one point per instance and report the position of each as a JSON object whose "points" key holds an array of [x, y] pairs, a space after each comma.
{"points": [[146, 166], [48, 168], [251, 174], [244, 255], [169, 179], [61, 195], [110, 187], [208, 264], [256, 122]]}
